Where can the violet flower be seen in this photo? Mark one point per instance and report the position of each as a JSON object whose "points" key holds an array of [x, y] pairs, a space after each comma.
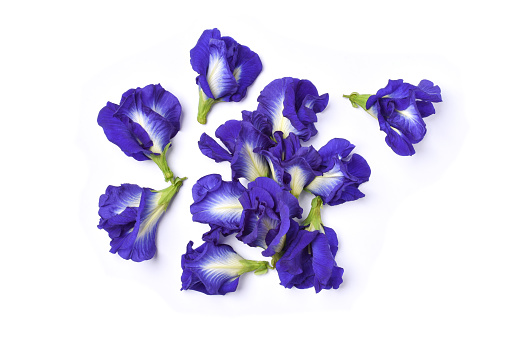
{"points": [[226, 69], [400, 108], [143, 124], [130, 214]]}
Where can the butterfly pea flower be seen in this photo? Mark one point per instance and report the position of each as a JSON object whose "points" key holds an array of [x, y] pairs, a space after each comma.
{"points": [[226, 69], [292, 166], [243, 142], [267, 215], [290, 105], [130, 214], [308, 259], [343, 173], [215, 269], [143, 124], [400, 108]]}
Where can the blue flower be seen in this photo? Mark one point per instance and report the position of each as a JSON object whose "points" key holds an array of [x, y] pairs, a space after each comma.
{"points": [[216, 202], [292, 166], [289, 105], [130, 214], [267, 215], [226, 69], [308, 258], [343, 173], [400, 108], [143, 124], [215, 269], [243, 143]]}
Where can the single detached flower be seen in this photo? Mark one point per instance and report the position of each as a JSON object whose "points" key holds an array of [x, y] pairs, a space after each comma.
{"points": [[267, 215], [130, 214], [243, 143], [215, 269], [400, 108], [289, 105], [143, 124], [226, 69], [343, 173], [308, 258]]}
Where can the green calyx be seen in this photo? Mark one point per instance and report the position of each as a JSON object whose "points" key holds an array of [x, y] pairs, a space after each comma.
{"points": [[160, 160], [360, 100], [259, 267], [204, 106], [314, 218], [168, 193]]}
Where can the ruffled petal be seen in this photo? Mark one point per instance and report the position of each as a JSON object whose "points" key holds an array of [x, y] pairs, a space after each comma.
{"points": [[425, 108], [219, 76], [427, 91], [247, 162], [119, 134], [409, 122], [139, 244], [247, 68], [217, 202], [210, 148], [228, 133], [163, 103], [324, 185], [396, 140], [276, 101], [200, 52], [211, 269]]}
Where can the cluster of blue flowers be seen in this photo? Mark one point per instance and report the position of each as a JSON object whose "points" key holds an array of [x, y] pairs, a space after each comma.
{"points": [[265, 151], [142, 126]]}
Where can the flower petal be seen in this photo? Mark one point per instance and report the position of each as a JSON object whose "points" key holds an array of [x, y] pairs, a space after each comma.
{"points": [[163, 103], [409, 122], [211, 269], [200, 52], [247, 68], [210, 148], [276, 101], [219, 76], [217, 201], [247, 162], [118, 133], [139, 244]]}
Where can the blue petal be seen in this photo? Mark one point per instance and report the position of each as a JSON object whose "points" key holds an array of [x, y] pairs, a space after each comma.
{"points": [[247, 162], [324, 185], [323, 261], [163, 103], [211, 269], [118, 198], [139, 244], [217, 202], [200, 53], [301, 175], [228, 133], [119, 134], [425, 108], [158, 129], [427, 91], [409, 122], [219, 76], [211, 149], [247, 68], [276, 101], [396, 140]]}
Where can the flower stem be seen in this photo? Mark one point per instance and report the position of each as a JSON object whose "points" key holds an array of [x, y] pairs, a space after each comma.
{"points": [[204, 106], [168, 193], [360, 100], [162, 163], [259, 267]]}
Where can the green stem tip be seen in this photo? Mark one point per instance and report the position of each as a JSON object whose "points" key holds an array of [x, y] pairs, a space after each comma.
{"points": [[204, 106]]}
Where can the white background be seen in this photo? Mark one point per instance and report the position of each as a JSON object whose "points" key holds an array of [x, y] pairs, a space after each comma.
{"points": [[425, 252]]}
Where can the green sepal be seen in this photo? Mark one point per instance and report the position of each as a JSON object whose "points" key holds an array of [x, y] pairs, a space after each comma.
{"points": [[275, 258], [314, 218], [360, 100], [259, 267], [162, 163], [204, 105], [168, 193]]}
